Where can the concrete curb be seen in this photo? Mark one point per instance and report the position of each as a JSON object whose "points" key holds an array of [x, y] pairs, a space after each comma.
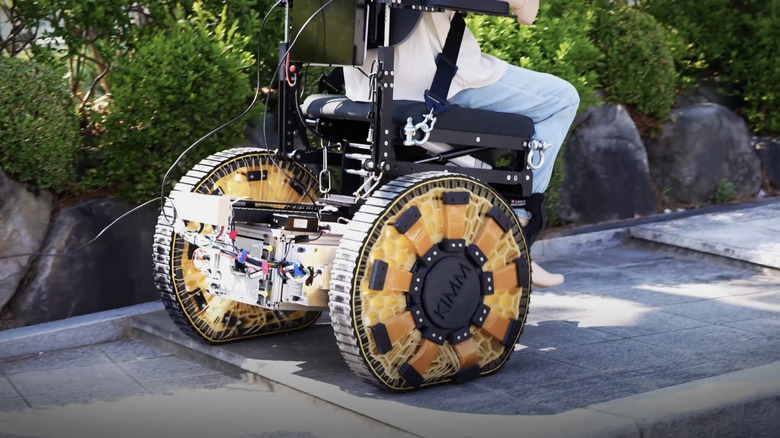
{"points": [[428, 423], [72, 332], [742, 403], [565, 245]]}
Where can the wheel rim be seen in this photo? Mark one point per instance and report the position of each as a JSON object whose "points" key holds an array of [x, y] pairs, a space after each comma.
{"points": [[437, 251], [211, 318]]}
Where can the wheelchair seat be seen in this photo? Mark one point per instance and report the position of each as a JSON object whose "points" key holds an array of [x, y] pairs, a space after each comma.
{"points": [[456, 118]]}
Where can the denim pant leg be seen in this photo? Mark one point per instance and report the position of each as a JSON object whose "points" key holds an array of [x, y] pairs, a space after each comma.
{"points": [[548, 100]]}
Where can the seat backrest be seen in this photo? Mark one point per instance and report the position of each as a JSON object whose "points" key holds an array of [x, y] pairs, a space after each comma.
{"points": [[341, 33], [335, 36]]}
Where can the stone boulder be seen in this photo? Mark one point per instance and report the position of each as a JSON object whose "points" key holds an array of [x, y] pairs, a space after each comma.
{"points": [[606, 174], [769, 151], [709, 90], [24, 218], [697, 148], [114, 271]]}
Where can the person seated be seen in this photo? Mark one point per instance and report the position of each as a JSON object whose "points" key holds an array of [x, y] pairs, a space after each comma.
{"points": [[483, 82]]}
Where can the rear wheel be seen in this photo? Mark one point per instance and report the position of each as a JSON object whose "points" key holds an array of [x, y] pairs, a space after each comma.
{"points": [[183, 288], [433, 283]]}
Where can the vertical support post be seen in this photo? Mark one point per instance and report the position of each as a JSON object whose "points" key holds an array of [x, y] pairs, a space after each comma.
{"points": [[286, 119]]}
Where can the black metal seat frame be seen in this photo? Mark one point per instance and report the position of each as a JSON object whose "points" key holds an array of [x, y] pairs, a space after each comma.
{"points": [[378, 126]]}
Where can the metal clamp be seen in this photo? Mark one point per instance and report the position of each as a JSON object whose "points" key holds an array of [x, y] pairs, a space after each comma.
{"points": [[369, 185], [325, 172], [426, 126], [540, 147]]}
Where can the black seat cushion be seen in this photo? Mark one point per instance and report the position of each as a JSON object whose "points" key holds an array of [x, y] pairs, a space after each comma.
{"points": [[331, 106], [336, 106], [458, 118]]}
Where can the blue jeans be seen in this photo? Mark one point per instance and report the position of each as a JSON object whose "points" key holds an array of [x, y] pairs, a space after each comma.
{"points": [[548, 100]]}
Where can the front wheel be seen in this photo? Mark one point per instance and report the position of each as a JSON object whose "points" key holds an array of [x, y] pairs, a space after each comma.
{"points": [[432, 284], [182, 287]]}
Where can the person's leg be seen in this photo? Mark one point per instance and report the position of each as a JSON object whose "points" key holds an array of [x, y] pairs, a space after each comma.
{"points": [[551, 103], [548, 100]]}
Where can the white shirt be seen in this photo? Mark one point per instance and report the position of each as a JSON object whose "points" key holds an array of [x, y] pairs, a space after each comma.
{"points": [[415, 63]]}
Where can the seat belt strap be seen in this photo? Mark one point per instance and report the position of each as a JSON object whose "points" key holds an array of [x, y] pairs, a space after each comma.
{"points": [[332, 82], [446, 66]]}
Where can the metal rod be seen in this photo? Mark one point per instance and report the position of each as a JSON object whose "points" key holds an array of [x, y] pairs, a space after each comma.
{"points": [[450, 155]]}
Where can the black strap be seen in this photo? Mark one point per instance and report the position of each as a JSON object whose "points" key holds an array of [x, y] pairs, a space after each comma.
{"points": [[332, 82], [535, 205], [446, 66]]}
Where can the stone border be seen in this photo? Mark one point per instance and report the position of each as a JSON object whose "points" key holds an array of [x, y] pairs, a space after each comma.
{"points": [[78, 331], [609, 235], [742, 403]]}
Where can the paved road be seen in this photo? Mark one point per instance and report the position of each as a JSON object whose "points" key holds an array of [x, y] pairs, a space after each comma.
{"points": [[663, 327]]}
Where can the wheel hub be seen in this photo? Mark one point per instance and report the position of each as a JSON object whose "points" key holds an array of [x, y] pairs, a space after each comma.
{"points": [[447, 291], [450, 293]]}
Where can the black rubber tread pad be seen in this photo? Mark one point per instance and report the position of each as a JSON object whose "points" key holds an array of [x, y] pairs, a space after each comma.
{"points": [[501, 218], [455, 198]]}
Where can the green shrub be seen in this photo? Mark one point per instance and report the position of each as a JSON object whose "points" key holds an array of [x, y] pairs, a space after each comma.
{"points": [[755, 70], [637, 68], [708, 27], [724, 192], [737, 43], [179, 84], [39, 130]]}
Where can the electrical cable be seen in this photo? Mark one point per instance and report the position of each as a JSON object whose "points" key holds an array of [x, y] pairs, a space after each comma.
{"points": [[72, 252], [283, 59]]}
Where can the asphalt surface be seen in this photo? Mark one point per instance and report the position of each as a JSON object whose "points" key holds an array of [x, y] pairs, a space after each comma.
{"points": [[665, 327]]}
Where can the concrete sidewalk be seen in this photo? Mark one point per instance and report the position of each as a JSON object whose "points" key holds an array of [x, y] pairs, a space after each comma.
{"points": [[664, 327]]}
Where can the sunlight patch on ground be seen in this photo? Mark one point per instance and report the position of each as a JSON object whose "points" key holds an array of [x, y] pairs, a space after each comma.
{"points": [[715, 289], [590, 310]]}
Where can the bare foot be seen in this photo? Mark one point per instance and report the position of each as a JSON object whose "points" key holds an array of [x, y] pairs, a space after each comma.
{"points": [[539, 277]]}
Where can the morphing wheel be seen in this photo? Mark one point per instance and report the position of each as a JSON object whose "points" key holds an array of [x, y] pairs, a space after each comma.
{"points": [[432, 285], [183, 288]]}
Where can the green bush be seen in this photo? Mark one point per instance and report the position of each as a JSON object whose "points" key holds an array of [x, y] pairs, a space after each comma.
{"points": [[736, 42], [708, 27], [179, 84], [755, 70], [724, 192], [39, 130], [638, 67]]}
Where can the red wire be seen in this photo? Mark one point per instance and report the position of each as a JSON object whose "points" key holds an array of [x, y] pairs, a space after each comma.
{"points": [[287, 70]]}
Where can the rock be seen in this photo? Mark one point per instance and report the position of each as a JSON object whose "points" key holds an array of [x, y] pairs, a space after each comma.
{"points": [[769, 151], [697, 148], [709, 90], [24, 218], [606, 174], [114, 271]]}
